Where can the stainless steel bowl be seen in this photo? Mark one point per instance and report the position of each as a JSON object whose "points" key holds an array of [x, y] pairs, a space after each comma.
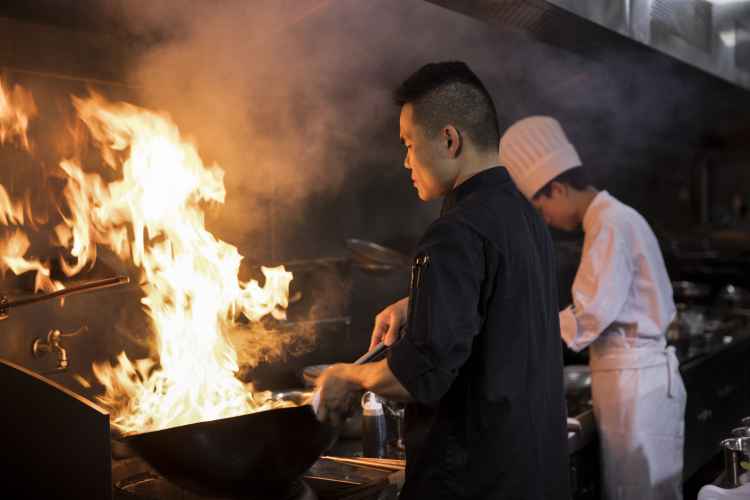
{"points": [[577, 378]]}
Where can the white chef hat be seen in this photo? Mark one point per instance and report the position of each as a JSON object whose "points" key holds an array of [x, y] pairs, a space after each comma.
{"points": [[535, 150]]}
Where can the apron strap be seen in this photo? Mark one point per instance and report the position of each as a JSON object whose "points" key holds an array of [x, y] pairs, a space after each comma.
{"points": [[669, 353]]}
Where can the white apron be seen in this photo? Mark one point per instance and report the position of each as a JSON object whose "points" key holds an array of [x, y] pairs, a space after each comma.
{"points": [[639, 405]]}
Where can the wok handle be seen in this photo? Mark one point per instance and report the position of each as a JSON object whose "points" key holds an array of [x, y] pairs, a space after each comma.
{"points": [[379, 349], [376, 351]]}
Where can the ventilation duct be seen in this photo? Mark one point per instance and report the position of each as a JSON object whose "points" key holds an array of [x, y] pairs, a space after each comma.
{"points": [[712, 35]]}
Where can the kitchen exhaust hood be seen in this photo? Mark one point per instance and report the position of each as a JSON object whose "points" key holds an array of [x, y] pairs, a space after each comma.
{"points": [[711, 35]]}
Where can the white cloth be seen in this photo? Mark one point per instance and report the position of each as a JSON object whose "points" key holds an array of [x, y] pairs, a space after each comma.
{"points": [[711, 492], [639, 407], [622, 306], [535, 150], [621, 289]]}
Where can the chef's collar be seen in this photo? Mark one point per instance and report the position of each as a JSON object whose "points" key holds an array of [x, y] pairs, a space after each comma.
{"points": [[481, 180], [594, 207]]}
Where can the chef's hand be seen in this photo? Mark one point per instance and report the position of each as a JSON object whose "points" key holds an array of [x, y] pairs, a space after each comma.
{"points": [[337, 393], [388, 323]]}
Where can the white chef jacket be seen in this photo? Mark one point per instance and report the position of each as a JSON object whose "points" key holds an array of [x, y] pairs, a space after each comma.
{"points": [[622, 304], [622, 294]]}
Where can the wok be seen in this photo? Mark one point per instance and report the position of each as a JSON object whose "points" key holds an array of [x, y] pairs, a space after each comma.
{"points": [[259, 453], [373, 257]]}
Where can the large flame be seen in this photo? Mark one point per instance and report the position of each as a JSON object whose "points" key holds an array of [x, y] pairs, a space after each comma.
{"points": [[16, 109], [12, 256], [152, 215]]}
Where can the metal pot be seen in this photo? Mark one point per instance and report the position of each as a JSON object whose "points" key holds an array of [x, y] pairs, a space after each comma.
{"points": [[736, 451]]}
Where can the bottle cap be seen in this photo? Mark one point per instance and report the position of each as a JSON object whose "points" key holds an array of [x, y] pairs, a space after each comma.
{"points": [[372, 404]]}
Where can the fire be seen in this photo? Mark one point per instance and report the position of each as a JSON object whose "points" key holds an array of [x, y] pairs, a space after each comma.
{"points": [[16, 108], [12, 252], [152, 215]]}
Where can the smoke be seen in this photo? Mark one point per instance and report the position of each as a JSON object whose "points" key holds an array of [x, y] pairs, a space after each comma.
{"points": [[291, 98], [257, 344]]}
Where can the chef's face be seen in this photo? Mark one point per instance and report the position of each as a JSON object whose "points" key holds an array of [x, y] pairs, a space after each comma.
{"points": [[431, 174], [557, 208]]}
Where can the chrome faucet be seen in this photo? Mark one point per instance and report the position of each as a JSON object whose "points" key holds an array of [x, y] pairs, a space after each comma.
{"points": [[41, 347]]}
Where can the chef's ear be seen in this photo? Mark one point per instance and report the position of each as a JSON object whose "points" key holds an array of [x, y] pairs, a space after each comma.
{"points": [[452, 140], [558, 189]]}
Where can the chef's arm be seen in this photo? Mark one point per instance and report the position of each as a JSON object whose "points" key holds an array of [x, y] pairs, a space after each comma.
{"points": [[423, 364], [337, 384], [600, 289], [378, 378]]}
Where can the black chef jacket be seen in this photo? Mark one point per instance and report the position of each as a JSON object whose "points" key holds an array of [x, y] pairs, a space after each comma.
{"points": [[481, 356]]}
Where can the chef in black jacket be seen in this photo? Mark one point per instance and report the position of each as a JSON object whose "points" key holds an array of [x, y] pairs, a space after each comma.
{"points": [[480, 364]]}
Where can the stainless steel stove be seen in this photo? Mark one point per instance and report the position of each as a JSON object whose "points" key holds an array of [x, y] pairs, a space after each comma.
{"points": [[134, 479], [57, 445], [151, 486]]}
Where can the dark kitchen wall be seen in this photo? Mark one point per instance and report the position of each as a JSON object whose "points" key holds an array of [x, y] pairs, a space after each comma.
{"points": [[321, 131], [53, 62], [292, 99]]}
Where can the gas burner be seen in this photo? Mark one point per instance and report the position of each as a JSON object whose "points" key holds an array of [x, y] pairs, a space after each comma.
{"points": [[150, 486]]}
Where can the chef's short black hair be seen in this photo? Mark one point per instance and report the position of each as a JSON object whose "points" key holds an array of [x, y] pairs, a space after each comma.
{"points": [[577, 178], [450, 93]]}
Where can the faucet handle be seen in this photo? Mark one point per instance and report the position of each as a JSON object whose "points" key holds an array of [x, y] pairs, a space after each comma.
{"points": [[41, 347]]}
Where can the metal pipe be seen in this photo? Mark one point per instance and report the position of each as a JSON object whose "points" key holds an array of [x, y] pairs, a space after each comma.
{"points": [[62, 76], [91, 286]]}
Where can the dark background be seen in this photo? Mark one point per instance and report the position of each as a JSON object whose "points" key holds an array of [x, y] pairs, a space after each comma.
{"points": [[315, 157]]}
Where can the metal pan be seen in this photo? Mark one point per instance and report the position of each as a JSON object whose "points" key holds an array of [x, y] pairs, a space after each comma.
{"points": [[376, 258], [260, 453]]}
